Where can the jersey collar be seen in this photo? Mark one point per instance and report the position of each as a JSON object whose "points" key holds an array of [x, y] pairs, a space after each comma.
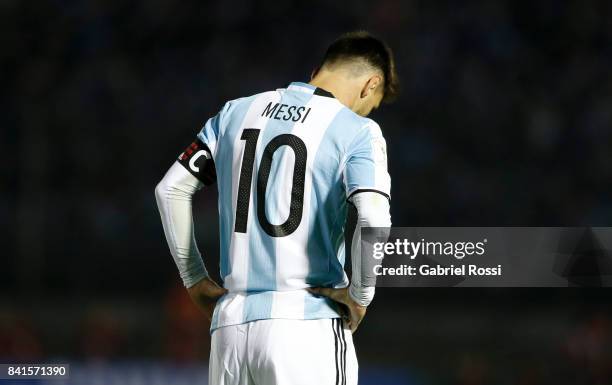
{"points": [[309, 88]]}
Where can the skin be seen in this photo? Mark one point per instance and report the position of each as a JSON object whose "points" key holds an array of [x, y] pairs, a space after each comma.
{"points": [[360, 88], [353, 312], [356, 85], [205, 294]]}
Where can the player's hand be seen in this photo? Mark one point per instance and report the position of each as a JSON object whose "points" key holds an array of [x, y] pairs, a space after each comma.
{"points": [[356, 312], [205, 295]]}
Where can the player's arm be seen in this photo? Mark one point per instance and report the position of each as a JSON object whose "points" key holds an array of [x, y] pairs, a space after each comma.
{"points": [[368, 186], [174, 193], [372, 211]]}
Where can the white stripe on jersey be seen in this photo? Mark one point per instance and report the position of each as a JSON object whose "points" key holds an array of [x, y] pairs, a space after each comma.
{"points": [[289, 271], [239, 249]]}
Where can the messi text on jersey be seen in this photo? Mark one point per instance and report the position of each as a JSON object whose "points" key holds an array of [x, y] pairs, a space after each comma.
{"points": [[286, 112]]}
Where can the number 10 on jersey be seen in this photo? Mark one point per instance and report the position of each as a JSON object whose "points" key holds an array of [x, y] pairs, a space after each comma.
{"points": [[251, 136]]}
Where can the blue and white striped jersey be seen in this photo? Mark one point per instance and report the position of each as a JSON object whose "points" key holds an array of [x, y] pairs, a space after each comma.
{"points": [[286, 161]]}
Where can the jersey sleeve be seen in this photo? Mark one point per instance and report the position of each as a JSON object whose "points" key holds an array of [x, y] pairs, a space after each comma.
{"points": [[198, 157], [366, 164]]}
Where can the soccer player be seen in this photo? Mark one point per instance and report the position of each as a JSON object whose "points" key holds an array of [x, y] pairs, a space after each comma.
{"points": [[299, 171]]}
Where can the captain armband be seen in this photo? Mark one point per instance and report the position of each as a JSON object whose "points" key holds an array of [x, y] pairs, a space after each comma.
{"points": [[198, 160]]}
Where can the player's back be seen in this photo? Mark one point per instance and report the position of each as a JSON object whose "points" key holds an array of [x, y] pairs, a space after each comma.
{"points": [[282, 159], [299, 173]]}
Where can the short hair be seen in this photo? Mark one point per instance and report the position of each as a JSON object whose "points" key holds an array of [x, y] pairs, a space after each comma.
{"points": [[362, 46]]}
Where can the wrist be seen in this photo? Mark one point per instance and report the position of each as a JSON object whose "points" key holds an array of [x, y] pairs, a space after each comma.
{"points": [[194, 275]]}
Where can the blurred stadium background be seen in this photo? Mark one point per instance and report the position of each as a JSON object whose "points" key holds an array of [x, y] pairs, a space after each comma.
{"points": [[505, 119]]}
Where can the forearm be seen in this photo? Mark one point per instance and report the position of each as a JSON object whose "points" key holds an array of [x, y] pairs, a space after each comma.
{"points": [[174, 195], [372, 211]]}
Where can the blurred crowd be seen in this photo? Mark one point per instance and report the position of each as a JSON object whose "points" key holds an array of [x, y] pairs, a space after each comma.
{"points": [[505, 118], [489, 338]]}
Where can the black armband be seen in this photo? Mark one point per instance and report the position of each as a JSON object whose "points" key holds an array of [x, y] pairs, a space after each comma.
{"points": [[197, 159]]}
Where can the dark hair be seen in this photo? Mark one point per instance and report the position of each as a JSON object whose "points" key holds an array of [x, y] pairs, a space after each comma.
{"points": [[361, 45]]}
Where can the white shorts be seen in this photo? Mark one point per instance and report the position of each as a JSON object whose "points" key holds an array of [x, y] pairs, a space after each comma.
{"points": [[283, 351]]}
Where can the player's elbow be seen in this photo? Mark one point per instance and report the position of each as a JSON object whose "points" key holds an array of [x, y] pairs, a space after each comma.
{"points": [[374, 211], [372, 218], [161, 190]]}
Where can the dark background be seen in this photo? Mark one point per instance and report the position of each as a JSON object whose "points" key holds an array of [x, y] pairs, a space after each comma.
{"points": [[505, 119]]}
